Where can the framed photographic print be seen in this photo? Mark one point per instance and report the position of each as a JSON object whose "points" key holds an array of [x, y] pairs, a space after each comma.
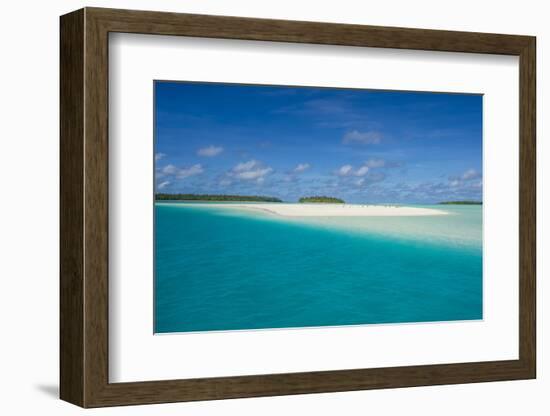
{"points": [[262, 207]]}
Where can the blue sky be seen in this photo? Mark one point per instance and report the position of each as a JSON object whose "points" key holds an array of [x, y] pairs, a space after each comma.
{"points": [[359, 145]]}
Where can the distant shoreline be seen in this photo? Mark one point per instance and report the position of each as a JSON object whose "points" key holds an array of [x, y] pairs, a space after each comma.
{"points": [[215, 198], [321, 199], [329, 209], [460, 203]]}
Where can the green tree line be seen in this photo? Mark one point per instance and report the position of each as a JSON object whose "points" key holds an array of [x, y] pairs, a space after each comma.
{"points": [[215, 197], [461, 203], [325, 199]]}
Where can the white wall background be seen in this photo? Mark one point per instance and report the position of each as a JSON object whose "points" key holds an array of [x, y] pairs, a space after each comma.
{"points": [[29, 209]]}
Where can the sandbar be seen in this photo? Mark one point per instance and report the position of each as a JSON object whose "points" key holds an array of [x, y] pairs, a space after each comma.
{"points": [[331, 210]]}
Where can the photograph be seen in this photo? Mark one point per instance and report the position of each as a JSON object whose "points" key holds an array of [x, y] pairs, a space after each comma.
{"points": [[302, 206]]}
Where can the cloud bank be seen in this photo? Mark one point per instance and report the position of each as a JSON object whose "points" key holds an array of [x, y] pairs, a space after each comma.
{"points": [[210, 151], [181, 173], [250, 171], [301, 167], [358, 137]]}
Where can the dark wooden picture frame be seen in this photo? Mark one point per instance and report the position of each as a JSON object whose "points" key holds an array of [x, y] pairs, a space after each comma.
{"points": [[84, 207]]}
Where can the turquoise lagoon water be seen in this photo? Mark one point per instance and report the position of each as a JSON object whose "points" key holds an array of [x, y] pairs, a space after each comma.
{"points": [[222, 268]]}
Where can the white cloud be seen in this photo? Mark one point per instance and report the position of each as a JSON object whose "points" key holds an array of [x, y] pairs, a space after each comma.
{"points": [[182, 173], [191, 171], [244, 166], [367, 137], [251, 170], [169, 170], [471, 174], [254, 173], [159, 156], [210, 151], [362, 171], [345, 170], [470, 178], [360, 182], [375, 163], [301, 167], [163, 184]]}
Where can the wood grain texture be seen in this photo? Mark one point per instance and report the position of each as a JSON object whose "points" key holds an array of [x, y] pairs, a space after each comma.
{"points": [[84, 207], [96, 208], [71, 213], [162, 23], [528, 207]]}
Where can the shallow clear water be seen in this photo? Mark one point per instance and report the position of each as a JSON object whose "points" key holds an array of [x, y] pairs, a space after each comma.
{"points": [[226, 269]]}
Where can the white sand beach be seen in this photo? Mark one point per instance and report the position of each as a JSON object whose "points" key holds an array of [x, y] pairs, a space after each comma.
{"points": [[334, 210]]}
